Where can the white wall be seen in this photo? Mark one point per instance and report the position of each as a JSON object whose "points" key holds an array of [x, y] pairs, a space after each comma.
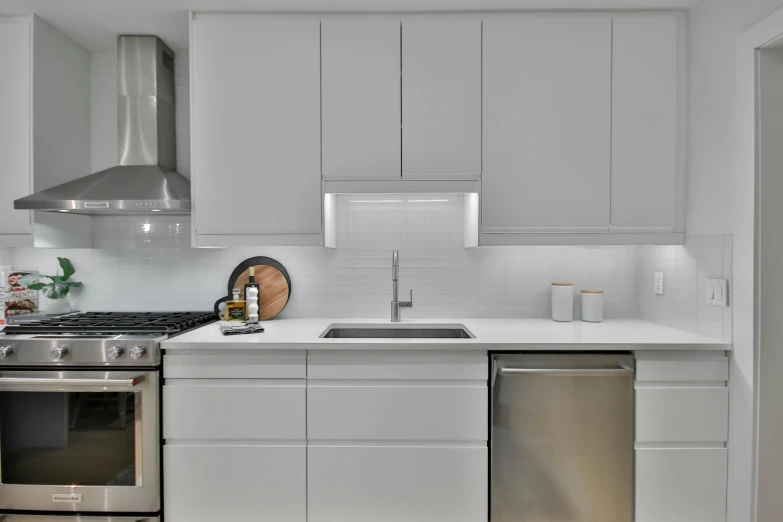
{"points": [[720, 197], [715, 27], [686, 269]]}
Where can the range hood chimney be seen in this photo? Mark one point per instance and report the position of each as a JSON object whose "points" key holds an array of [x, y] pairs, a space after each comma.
{"points": [[145, 180]]}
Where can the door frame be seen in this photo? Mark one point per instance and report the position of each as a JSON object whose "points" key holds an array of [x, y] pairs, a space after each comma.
{"points": [[744, 388]]}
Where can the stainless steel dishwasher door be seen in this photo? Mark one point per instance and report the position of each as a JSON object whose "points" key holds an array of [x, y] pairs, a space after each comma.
{"points": [[562, 440]]}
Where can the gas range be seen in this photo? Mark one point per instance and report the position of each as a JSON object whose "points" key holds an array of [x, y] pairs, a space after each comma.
{"points": [[95, 338], [88, 386]]}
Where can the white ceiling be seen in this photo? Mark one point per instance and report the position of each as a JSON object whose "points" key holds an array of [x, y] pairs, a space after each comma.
{"points": [[95, 24]]}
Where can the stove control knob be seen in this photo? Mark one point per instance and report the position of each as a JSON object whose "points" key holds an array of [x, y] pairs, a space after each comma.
{"points": [[137, 352], [58, 352], [114, 352], [6, 352]]}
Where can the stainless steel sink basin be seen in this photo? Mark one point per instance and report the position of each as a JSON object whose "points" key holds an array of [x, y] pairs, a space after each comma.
{"points": [[385, 331]]}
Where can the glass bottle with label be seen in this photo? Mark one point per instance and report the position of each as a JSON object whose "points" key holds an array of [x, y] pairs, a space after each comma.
{"points": [[235, 309]]}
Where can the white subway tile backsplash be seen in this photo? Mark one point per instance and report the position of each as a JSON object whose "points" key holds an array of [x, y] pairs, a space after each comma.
{"points": [[686, 269]]}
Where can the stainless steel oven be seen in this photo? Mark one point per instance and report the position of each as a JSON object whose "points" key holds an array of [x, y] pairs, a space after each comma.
{"points": [[79, 440]]}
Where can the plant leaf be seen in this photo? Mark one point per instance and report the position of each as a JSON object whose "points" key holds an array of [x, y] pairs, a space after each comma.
{"points": [[67, 267], [75, 284], [35, 286], [29, 279], [55, 290]]}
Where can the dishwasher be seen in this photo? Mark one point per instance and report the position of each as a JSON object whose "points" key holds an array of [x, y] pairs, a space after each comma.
{"points": [[562, 438]]}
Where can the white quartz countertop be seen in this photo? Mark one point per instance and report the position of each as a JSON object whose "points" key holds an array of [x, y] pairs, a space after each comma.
{"points": [[490, 334]]}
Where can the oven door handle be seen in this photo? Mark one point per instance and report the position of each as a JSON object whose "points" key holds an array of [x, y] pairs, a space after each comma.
{"points": [[8, 381]]}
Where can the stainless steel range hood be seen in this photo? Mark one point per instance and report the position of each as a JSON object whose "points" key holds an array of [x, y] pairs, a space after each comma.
{"points": [[146, 179]]}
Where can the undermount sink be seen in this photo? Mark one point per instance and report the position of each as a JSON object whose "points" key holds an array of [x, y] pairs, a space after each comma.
{"points": [[386, 331]]}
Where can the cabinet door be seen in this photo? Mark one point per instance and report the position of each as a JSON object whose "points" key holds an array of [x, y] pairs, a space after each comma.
{"points": [[442, 413], [682, 414], [360, 60], [253, 410], [546, 121], [441, 98], [681, 484], [644, 124], [15, 121], [391, 484], [256, 126], [236, 483]]}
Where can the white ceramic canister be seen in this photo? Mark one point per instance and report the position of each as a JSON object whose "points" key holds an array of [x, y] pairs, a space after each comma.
{"points": [[563, 302], [593, 306]]}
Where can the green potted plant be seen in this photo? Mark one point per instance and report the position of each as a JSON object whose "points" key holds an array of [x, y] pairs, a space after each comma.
{"points": [[56, 294]]}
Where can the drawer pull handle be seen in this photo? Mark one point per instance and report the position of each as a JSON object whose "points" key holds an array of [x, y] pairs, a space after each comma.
{"points": [[621, 371]]}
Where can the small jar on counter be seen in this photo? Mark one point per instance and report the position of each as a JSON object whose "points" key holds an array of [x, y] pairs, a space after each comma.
{"points": [[563, 302], [593, 306]]}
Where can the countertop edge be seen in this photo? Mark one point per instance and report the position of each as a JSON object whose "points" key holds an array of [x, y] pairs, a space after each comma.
{"points": [[432, 347]]}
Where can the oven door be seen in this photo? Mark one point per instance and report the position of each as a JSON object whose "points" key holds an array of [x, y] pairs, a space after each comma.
{"points": [[81, 441]]}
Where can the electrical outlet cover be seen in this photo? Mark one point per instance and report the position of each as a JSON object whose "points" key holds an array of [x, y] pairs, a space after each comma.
{"points": [[658, 283], [717, 292]]}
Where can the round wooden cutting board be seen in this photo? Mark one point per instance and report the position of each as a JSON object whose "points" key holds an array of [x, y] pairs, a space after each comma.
{"points": [[272, 279]]}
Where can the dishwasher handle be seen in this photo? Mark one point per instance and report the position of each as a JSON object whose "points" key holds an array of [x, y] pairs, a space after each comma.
{"points": [[620, 371]]}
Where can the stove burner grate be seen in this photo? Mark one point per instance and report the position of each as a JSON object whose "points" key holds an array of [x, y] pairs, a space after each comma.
{"points": [[115, 322]]}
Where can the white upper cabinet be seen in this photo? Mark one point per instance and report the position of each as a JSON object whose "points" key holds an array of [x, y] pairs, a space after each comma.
{"points": [[546, 124], [360, 88], [441, 98], [44, 130], [15, 130], [645, 131], [256, 130]]}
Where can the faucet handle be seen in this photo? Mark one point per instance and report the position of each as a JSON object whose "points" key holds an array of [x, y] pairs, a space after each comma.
{"points": [[408, 304]]}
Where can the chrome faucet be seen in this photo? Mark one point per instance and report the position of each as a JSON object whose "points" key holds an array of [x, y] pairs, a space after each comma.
{"points": [[396, 304]]}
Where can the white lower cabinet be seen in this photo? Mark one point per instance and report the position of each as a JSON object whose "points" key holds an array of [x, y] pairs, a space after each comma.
{"points": [[235, 483], [397, 436], [234, 437], [393, 484], [411, 413], [402, 436], [681, 485], [681, 435]]}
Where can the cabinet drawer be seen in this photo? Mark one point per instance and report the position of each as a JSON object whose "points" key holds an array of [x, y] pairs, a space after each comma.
{"points": [[361, 484], [440, 413], [237, 483], [234, 366], [247, 411], [686, 367], [682, 414], [681, 485], [403, 366]]}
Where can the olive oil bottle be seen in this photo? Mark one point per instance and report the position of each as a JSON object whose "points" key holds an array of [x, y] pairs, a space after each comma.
{"points": [[235, 309]]}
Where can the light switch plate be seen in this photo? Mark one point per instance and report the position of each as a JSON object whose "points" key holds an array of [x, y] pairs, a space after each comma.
{"points": [[658, 283], [718, 292]]}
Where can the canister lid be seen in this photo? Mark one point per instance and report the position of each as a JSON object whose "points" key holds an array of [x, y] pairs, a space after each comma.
{"points": [[562, 284], [592, 291]]}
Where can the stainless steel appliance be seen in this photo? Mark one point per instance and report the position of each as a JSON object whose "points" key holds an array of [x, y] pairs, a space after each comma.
{"points": [[80, 415], [562, 440], [145, 178], [396, 304]]}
